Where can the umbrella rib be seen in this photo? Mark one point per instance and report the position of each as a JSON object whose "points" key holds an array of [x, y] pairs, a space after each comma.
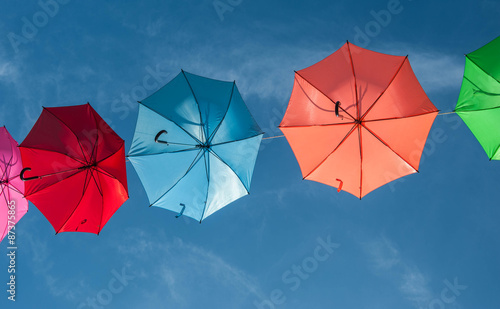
{"points": [[167, 152], [196, 159], [53, 174], [95, 180], [53, 151], [403, 117], [71, 130], [237, 140], [387, 145], [104, 172], [355, 82], [477, 110], [467, 56], [341, 142], [324, 95], [224, 117], [317, 125], [13, 146], [202, 125], [104, 159], [360, 163], [207, 170], [102, 199], [6, 203], [494, 152], [180, 144], [13, 188], [218, 157], [5, 172], [191, 135], [311, 101], [381, 94], [85, 185], [93, 155], [5, 167]]}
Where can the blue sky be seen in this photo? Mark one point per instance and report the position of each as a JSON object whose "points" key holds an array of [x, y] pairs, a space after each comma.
{"points": [[429, 240]]}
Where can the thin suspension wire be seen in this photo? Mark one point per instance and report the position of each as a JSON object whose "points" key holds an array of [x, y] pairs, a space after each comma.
{"points": [[271, 137], [447, 113]]}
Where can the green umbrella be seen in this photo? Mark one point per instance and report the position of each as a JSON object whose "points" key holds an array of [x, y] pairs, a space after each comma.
{"points": [[479, 101]]}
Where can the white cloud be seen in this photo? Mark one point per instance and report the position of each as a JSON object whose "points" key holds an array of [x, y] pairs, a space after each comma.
{"points": [[43, 267], [415, 286], [412, 283], [183, 269], [435, 70]]}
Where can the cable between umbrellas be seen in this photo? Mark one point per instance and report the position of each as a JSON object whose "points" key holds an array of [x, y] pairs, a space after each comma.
{"points": [[271, 137]]}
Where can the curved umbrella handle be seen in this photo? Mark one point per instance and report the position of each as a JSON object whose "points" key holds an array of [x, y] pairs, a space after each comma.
{"points": [[182, 210], [337, 104], [340, 186], [24, 170], [158, 136]]}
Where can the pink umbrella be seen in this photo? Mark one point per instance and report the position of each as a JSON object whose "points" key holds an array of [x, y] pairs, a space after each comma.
{"points": [[13, 205]]}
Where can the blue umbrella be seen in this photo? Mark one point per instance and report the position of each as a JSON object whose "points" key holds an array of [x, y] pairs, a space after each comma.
{"points": [[195, 145]]}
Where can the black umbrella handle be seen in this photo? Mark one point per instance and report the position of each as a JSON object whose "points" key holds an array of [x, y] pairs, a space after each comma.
{"points": [[157, 140], [337, 105], [182, 210], [24, 170]]}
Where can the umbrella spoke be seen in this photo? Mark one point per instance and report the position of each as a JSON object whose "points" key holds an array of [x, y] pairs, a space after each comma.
{"points": [[224, 117], [203, 134]]}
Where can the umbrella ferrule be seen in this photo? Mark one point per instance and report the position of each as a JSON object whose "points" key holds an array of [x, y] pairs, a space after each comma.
{"points": [[88, 166]]}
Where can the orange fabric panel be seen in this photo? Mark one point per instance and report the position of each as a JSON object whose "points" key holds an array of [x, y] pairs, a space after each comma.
{"points": [[405, 136], [308, 106], [311, 145], [380, 164], [404, 97], [333, 77], [344, 164], [374, 72]]}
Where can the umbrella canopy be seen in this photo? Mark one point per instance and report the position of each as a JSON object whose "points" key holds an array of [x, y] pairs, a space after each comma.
{"points": [[13, 205], [479, 101], [74, 168], [195, 145], [358, 120]]}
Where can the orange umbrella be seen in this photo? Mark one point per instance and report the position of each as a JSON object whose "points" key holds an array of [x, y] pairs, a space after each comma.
{"points": [[357, 120]]}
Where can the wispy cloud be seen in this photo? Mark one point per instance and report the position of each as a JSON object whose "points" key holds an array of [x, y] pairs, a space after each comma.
{"points": [[386, 258], [42, 267], [436, 70], [186, 268]]}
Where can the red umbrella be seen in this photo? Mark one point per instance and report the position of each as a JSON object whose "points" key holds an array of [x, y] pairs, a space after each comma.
{"points": [[74, 168], [358, 120]]}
